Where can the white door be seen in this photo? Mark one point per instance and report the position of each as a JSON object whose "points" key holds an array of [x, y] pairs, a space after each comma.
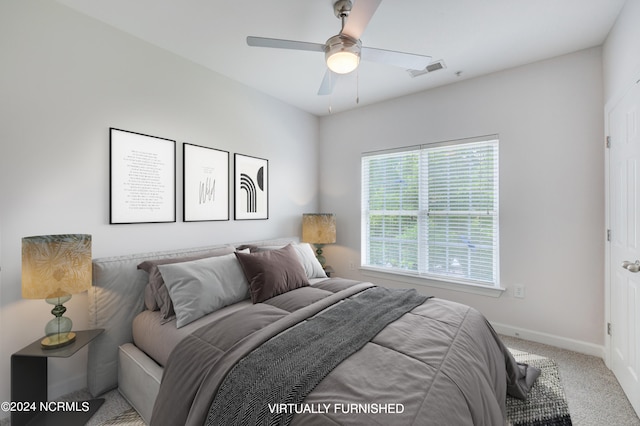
{"points": [[624, 220]]}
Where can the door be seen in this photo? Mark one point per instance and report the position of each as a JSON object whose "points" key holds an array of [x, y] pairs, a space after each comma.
{"points": [[624, 221]]}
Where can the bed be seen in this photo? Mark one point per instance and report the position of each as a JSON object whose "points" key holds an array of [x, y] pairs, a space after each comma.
{"points": [[270, 339]]}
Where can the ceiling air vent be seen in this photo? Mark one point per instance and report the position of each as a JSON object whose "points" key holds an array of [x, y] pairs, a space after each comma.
{"points": [[433, 66]]}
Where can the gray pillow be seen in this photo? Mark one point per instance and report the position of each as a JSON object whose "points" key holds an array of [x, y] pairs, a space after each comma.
{"points": [[272, 272], [156, 296], [202, 286]]}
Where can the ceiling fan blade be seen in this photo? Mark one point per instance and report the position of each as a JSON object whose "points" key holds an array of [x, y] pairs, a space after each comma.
{"points": [[328, 83], [284, 44], [359, 17], [407, 61]]}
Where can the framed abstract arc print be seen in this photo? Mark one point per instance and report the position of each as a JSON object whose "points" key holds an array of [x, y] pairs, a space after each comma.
{"points": [[142, 178], [205, 183], [251, 187]]}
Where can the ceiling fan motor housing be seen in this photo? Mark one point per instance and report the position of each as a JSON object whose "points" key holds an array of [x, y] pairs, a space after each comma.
{"points": [[342, 53]]}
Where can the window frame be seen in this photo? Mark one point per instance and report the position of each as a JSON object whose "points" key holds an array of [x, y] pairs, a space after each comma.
{"points": [[422, 275]]}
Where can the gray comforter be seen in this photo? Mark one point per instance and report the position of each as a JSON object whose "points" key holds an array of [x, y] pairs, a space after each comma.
{"points": [[440, 364]]}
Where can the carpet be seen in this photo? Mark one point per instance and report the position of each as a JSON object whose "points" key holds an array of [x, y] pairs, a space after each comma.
{"points": [[546, 404], [128, 418]]}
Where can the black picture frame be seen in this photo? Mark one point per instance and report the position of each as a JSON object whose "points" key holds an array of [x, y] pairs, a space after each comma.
{"points": [[205, 183], [142, 178], [251, 187]]}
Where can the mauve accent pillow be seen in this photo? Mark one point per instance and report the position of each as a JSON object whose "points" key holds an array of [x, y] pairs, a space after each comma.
{"points": [[150, 299], [156, 283], [307, 258], [272, 272]]}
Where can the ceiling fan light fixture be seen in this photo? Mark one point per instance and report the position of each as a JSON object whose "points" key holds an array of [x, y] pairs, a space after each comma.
{"points": [[342, 53]]}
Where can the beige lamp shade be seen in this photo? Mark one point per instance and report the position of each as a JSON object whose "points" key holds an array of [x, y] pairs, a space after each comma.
{"points": [[55, 266], [319, 228]]}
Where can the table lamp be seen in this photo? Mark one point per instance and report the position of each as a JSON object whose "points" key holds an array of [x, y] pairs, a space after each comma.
{"points": [[319, 229], [53, 268]]}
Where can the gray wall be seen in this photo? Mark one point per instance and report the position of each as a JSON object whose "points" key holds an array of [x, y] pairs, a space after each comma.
{"points": [[549, 118], [621, 60], [65, 79]]}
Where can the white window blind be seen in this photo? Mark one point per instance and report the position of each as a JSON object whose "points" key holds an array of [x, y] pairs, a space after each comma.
{"points": [[432, 210]]}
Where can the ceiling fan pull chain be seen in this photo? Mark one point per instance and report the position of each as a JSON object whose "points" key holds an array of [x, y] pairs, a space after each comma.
{"points": [[330, 93], [357, 86]]}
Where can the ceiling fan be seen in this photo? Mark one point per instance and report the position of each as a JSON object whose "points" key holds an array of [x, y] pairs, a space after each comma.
{"points": [[344, 50]]}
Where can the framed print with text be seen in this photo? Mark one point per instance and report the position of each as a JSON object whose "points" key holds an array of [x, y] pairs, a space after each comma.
{"points": [[251, 187], [142, 173], [205, 183]]}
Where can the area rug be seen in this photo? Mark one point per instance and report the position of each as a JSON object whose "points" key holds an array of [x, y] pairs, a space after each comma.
{"points": [[546, 404]]}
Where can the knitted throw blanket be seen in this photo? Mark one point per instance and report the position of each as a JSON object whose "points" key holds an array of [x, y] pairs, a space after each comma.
{"points": [[286, 368]]}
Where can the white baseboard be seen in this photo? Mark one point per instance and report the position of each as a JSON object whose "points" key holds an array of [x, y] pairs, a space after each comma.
{"points": [[552, 340]]}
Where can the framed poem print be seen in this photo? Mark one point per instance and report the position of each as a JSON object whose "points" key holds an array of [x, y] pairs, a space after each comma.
{"points": [[205, 183], [251, 187], [142, 173]]}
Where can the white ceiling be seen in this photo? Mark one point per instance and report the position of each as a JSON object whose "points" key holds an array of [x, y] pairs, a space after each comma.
{"points": [[473, 37]]}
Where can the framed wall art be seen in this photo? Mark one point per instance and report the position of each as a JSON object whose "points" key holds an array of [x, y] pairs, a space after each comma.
{"points": [[142, 171], [205, 183], [251, 187]]}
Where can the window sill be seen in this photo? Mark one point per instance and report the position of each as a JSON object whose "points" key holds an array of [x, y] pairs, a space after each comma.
{"points": [[430, 282]]}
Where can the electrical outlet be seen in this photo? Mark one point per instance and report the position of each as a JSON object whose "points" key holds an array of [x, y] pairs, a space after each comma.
{"points": [[518, 291]]}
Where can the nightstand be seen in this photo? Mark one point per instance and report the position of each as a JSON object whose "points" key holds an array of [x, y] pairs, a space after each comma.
{"points": [[328, 270], [29, 386]]}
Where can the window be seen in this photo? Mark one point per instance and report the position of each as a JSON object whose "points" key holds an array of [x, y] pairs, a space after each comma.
{"points": [[432, 211]]}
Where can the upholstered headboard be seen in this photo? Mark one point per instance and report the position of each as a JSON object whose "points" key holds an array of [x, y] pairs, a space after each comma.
{"points": [[116, 297]]}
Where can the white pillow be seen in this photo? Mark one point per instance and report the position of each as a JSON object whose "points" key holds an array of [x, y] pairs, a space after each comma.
{"points": [[309, 261], [202, 286]]}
